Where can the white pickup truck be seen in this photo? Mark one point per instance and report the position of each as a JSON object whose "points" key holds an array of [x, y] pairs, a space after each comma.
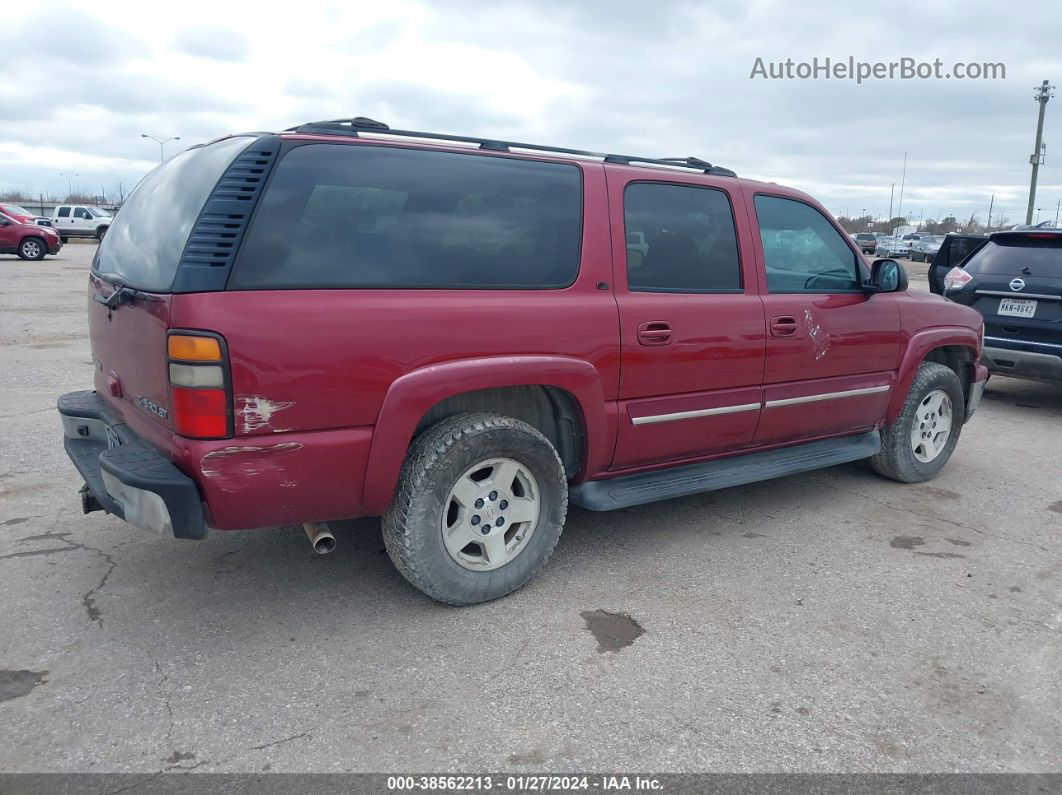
{"points": [[80, 220]]}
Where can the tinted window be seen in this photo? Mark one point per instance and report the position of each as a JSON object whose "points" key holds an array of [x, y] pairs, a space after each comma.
{"points": [[64, 212], [959, 248], [1011, 254], [371, 216], [679, 239], [146, 238], [802, 251]]}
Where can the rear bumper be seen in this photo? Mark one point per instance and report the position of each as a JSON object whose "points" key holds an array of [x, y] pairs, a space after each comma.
{"points": [[124, 475], [1024, 364]]}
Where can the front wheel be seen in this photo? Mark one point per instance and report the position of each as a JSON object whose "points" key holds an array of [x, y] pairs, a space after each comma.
{"points": [[480, 506], [919, 443], [101, 232], [32, 248]]}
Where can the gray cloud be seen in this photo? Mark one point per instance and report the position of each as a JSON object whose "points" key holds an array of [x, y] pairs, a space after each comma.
{"points": [[66, 34], [219, 44]]}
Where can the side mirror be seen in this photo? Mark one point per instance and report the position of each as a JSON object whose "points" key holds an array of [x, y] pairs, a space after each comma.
{"points": [[886, 276]]}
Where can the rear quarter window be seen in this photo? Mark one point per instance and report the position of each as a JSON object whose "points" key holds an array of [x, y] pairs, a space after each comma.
{"points": [[146, 238], [339, 215]]}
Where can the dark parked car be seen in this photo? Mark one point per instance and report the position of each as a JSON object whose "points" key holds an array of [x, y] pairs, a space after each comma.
{"points": [[464, 335], [1015, 281], [953, 250]]}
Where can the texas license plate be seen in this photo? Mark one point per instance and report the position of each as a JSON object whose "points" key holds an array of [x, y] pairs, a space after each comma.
{"points": [[1017, 307]]}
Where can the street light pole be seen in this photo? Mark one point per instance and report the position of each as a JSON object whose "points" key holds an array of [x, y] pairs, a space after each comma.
{"points": [[69, 184], [1041, 94], [161, 143]]}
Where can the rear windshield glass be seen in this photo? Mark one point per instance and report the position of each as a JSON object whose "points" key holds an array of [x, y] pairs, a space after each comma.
{"points": [[369, 216], [1009, 255], [146, 238]]}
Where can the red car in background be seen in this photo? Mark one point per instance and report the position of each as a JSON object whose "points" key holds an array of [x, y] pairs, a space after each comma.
{"points": [[27, 239], [18, 213]]}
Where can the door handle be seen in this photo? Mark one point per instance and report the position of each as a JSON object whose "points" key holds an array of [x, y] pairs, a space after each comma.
{"points": [[655, 332], [783, 326]]}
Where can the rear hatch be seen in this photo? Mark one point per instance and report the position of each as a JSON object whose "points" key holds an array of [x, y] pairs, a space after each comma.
{"points": [[1017, 286], [131, 284]]}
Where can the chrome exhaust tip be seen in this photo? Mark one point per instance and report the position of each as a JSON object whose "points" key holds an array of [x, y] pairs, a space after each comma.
{"points": [[321, 538]]}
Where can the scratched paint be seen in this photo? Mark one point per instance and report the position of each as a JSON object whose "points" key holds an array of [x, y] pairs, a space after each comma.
{"points": [[231, 468], [256, 412], [820, 340]]}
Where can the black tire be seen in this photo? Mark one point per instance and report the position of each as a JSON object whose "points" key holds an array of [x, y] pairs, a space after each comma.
{"points": [[897, 457], [32, 248], [437, 459], [100, 232], [65, 240]]}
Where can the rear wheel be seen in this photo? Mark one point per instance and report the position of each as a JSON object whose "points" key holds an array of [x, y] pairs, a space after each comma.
{"points": [[919, 443], [32, 248], [480, 506]]}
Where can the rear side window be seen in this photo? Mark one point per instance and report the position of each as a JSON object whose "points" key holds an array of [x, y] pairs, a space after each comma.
{"points": [[338, 215], [680, 239], [1010, 254], [146, 238], [64, 212]]}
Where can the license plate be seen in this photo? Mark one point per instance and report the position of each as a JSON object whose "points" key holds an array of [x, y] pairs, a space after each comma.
{"points": [[1017, 307]]}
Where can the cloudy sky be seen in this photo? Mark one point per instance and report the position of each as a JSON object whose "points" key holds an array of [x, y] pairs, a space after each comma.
{"points": [[82, 81]]}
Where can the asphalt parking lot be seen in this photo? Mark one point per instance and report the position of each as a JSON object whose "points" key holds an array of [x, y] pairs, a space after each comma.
{"points": [[824, 622]]}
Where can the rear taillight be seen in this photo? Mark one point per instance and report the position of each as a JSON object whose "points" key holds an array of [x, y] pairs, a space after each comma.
{"points": [[956, 278], [200, 394]]}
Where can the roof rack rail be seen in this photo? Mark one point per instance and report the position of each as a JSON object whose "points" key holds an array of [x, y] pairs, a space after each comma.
{"points": [[681, 162], [363, 124]]}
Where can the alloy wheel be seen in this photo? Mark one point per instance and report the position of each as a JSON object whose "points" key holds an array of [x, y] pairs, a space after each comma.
{"points": [[931, 428], [490, 514]]}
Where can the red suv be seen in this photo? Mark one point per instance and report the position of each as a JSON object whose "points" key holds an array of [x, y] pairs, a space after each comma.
{"points": [[463, 335], [27, 239]]}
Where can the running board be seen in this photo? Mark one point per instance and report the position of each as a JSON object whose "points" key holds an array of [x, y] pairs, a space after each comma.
{"points": [[665, 484]]}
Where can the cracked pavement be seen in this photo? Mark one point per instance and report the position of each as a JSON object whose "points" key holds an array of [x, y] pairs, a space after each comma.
{"points": [[825, 622]]}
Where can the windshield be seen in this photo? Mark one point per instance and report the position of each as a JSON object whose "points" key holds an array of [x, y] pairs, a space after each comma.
{"points": [[14, 209]]}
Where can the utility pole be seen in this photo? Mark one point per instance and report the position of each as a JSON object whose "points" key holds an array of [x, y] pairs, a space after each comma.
{"points": [[903, 179], [1058, 205], [1041, 94], [892, 190], [991, 202]]}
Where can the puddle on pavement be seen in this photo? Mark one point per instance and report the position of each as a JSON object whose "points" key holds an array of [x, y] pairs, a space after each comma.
{"points": [[15, 684], [613, 631]]}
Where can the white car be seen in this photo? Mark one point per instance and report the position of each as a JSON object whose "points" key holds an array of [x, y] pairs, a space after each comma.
{"points": [[80, 220]]}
